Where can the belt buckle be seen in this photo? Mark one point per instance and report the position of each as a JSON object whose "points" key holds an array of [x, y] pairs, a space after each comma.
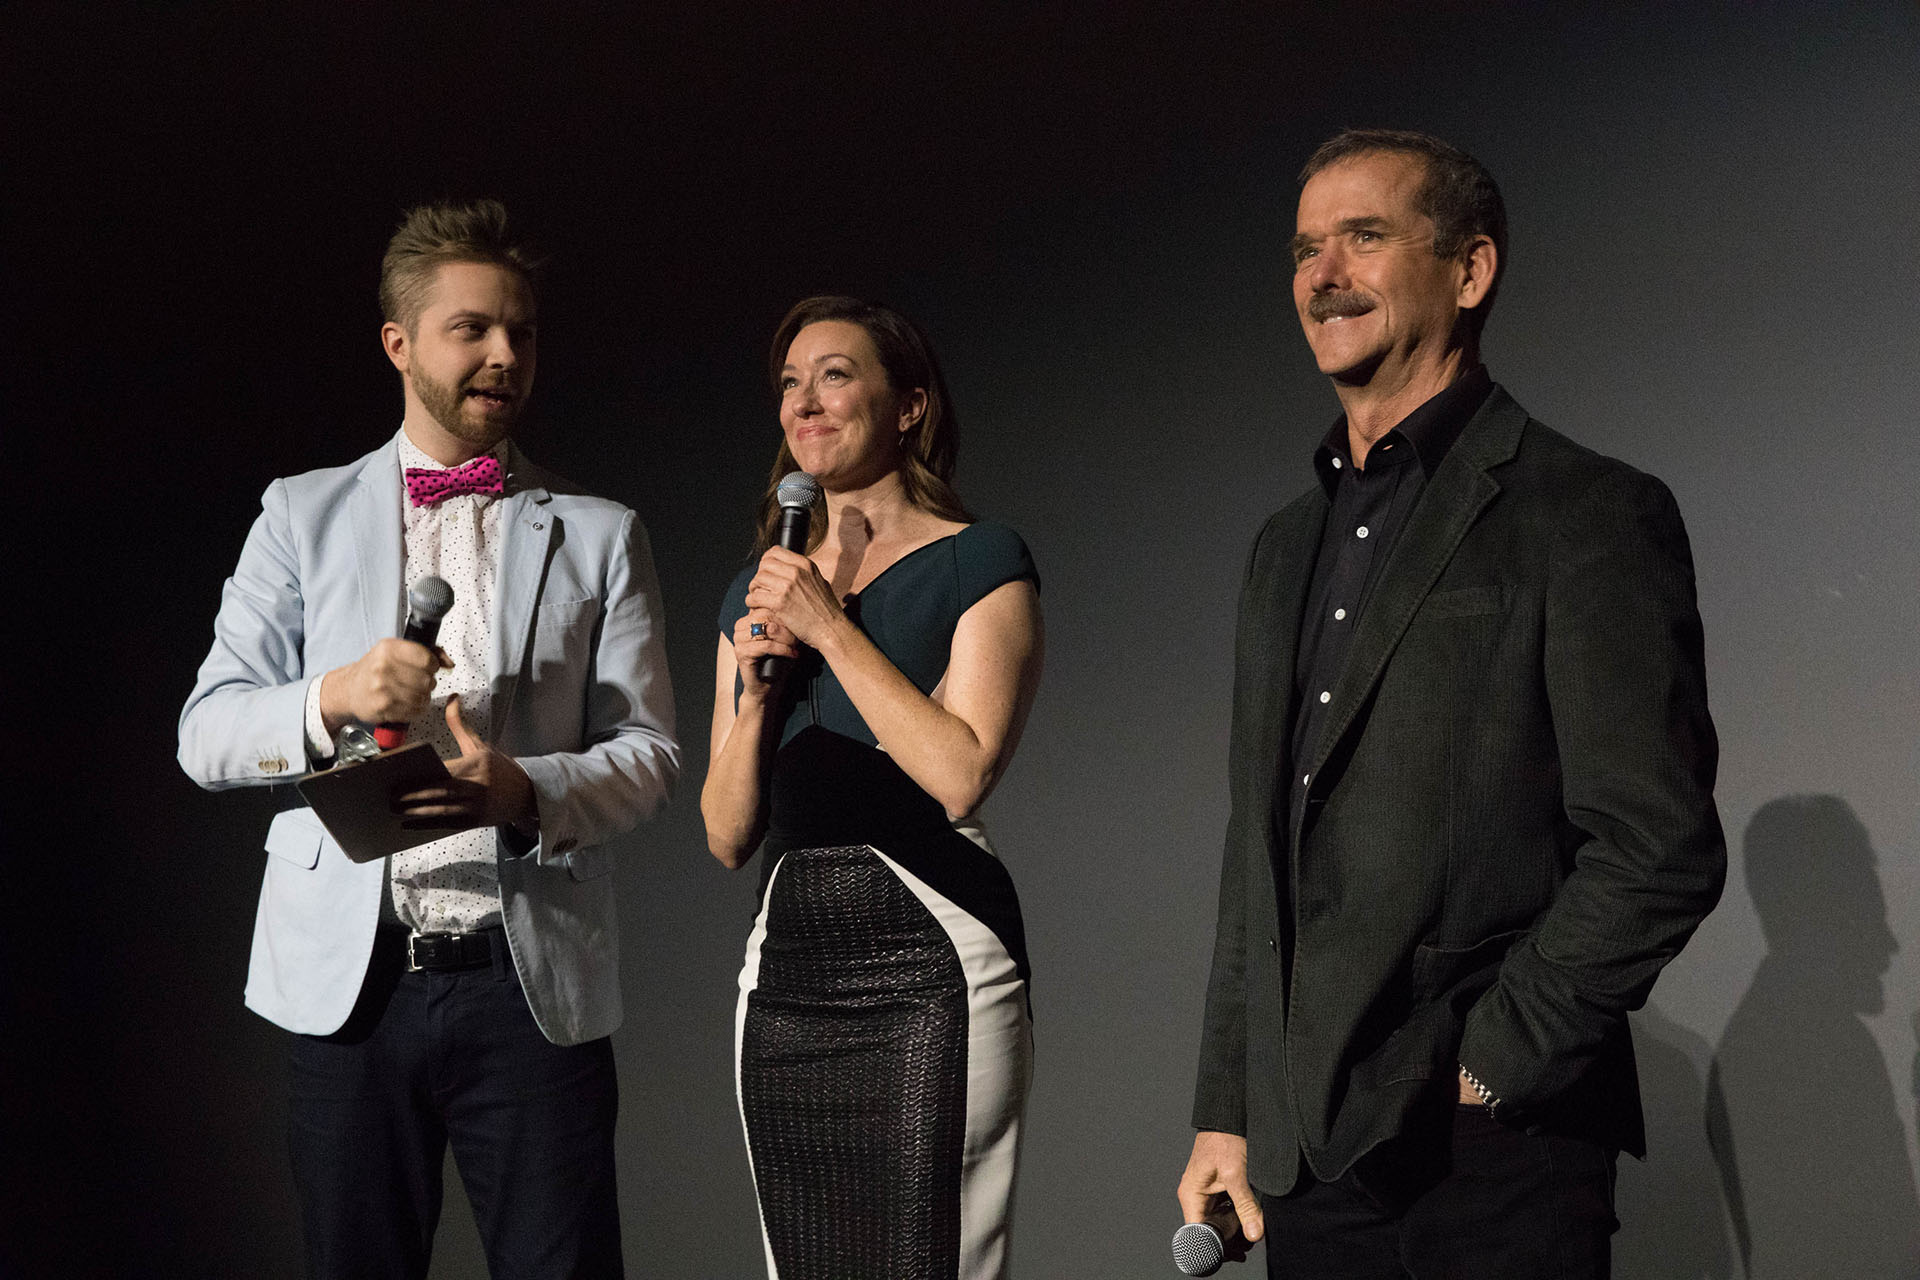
{"points": [[413, 965]]}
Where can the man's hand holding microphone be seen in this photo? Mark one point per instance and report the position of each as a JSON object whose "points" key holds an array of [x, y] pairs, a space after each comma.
{"points": [[392, 684], [1221, 1210]]}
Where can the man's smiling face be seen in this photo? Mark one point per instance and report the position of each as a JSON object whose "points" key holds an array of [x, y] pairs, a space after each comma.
{"points": [[1373, 299]]}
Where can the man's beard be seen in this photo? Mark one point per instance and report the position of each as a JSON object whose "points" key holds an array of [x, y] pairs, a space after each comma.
{"points": [[445, 404]]}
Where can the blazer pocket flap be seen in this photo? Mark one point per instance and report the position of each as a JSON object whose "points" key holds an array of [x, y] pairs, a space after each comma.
{"points": [[296, 836], [590, 864], [1447, 971], [1466, 602]]}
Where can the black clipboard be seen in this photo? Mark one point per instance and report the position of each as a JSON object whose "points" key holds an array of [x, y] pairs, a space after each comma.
{"points": [[354, 802]]}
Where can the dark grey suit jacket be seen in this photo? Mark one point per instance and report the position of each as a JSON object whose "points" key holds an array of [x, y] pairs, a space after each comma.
{"points": [[1509, 824]]}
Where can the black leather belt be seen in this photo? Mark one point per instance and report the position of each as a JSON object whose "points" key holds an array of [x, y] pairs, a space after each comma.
{"points": [[441, 952]]}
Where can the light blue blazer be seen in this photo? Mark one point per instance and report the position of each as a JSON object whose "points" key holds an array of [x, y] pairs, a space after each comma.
{"points": [[580, 698]]}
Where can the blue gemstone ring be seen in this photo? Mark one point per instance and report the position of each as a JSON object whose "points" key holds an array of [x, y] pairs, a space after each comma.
{"points": [[756, 629]]}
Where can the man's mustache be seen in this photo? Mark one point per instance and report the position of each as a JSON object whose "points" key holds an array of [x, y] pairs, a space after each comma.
{"points": [[1325, 306]]}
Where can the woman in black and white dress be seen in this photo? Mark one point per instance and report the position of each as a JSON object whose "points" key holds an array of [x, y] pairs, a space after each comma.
{"points": [[883, 1036]]}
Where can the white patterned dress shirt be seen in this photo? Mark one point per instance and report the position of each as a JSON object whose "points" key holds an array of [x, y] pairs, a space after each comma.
{"points": [[451, 885]]}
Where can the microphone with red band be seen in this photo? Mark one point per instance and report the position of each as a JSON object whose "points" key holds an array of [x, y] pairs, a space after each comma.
{"points": [[427, 603], [796, 495]]}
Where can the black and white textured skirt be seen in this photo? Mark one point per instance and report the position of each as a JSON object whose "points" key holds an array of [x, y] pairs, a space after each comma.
{"points": [[883, 1047]]}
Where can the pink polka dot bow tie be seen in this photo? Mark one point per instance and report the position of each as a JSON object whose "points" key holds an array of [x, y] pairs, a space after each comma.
{"points": [[427, 487]]}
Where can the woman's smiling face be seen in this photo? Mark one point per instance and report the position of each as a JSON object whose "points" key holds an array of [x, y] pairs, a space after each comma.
{"points": [[843, 419]]}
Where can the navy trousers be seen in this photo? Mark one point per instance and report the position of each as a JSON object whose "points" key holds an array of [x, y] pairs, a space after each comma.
{"points": [[1483, 1202], [432, 1060]]}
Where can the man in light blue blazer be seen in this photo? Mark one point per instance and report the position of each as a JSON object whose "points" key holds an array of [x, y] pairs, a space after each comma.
{"points": [[460, 993]]}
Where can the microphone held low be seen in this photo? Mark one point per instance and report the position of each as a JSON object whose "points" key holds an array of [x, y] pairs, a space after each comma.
{"points": [[1199, 1248]]}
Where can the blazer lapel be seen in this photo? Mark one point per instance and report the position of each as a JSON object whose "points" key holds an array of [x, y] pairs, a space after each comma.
{"points": [[1456, 495], [379, 542], [526, 533]]}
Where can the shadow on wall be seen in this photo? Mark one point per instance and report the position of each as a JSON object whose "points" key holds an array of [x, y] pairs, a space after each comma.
{"points": [[1673, 1220], [1800, 1110]]}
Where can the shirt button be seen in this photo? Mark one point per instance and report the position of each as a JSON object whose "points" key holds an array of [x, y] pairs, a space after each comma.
{"points": [[1325, 696], [1304, 778], [1336, 464], [1339, 615], [1361, 532]]}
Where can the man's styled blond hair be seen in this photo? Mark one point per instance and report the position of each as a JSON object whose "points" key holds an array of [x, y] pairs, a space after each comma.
{"points": [[432, 235]]}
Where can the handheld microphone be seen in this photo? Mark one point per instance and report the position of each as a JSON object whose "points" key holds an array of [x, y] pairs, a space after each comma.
{"points": [[427, 603], [796, 495], [1200, 1247]]}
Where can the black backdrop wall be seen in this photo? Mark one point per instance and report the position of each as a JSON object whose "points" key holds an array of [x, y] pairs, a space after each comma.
{"points": [[1714, 275]]}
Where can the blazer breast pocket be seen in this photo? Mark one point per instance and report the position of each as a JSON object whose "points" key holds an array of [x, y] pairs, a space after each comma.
{"points": [[1465, 602], [563, 633], [296, 836]]}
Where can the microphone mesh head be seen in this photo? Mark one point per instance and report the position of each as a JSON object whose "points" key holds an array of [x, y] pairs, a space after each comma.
{"points": [[798, 489], [1197, 1250], [429, 599]]}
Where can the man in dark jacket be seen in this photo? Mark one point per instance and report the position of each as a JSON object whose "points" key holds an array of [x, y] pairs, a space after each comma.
{"points": [[1471, 774]]}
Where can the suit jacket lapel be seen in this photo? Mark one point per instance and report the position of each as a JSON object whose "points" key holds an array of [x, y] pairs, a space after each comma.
{"points": [[379, 542], [527, 533], [1454, 498]]}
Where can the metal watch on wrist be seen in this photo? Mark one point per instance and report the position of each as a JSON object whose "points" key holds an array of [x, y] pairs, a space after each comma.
{"points": [[1487, 1100]]}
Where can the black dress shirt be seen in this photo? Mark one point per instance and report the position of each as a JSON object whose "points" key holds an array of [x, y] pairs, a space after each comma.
{"points": [[1370, 507]]}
